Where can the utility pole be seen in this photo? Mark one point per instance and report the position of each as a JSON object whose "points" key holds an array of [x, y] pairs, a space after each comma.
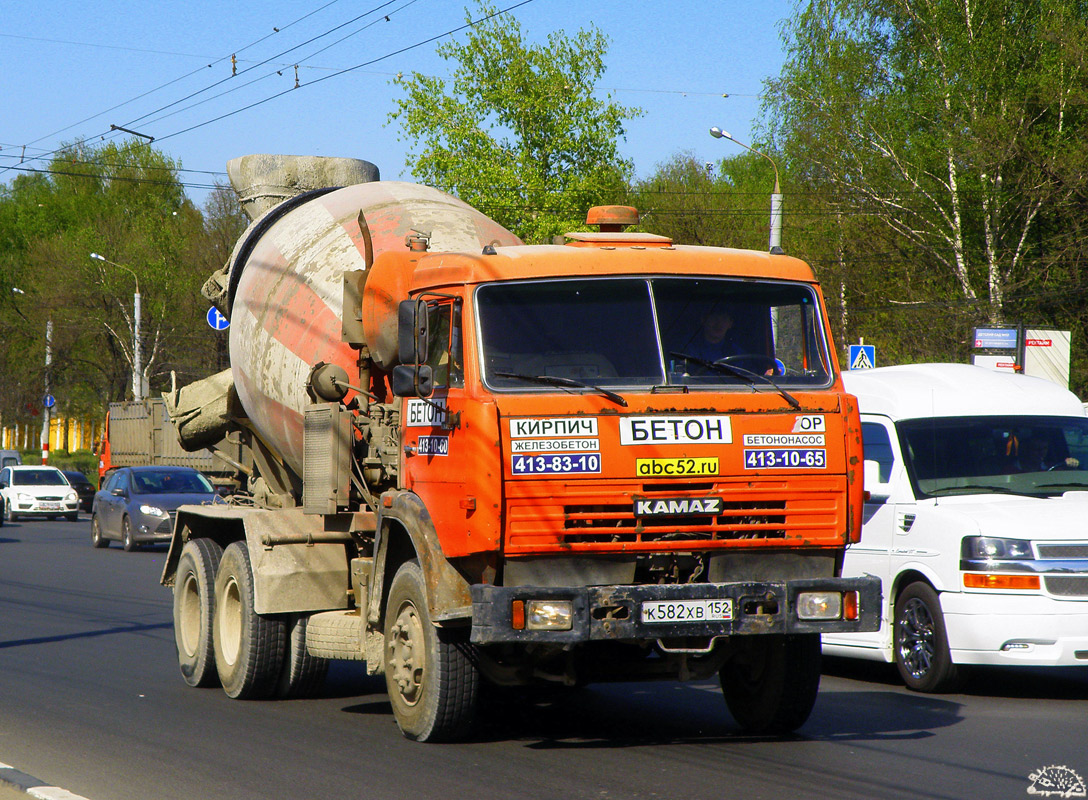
{"points": [[48, 410]]}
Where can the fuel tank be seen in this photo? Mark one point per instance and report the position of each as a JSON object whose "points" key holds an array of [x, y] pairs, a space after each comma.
{"points": [[284, 291]]}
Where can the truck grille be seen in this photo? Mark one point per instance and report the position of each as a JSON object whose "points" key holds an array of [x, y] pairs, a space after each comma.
{"points": [[600, 517], [738, 520]]}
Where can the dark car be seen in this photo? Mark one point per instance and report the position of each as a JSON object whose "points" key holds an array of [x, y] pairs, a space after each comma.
{"points": [[137, 505], [84, 488]]}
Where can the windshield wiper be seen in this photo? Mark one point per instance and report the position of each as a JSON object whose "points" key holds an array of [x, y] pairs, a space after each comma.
{"points": [[976, 487], [739, 372], [553, 380]]}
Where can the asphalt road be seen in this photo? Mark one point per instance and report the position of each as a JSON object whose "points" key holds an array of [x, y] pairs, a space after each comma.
{"points": [[91, 701]]}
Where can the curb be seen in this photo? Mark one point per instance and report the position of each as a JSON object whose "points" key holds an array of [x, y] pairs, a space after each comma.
{"points": [[12, 778]]}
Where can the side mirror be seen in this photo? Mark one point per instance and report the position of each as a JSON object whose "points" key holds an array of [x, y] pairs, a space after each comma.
{"points": [[412, 380], [413, 331], [878, 491], [118, 492]]}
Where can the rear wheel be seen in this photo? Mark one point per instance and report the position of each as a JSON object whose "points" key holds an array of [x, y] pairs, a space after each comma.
{"points": [[770, 682], [921, 641], [97, 537], [302, 674], [248, 646], [126, 535], [194, 607], [429, 671]]}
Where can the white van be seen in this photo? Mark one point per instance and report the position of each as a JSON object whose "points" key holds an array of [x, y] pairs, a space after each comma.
{"points": [[977, 521]]}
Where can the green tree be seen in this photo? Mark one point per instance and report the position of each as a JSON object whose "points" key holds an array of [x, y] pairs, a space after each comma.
{"points": [[723, 204], [950, 123], [519, 133], [123, 201]]}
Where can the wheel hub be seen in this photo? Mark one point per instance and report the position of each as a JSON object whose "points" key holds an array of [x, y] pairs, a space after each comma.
{"points": [[407, 655], [917, 638]]}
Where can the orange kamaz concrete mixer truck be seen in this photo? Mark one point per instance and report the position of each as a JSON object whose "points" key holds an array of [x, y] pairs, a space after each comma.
{"points": [[477, 460]]}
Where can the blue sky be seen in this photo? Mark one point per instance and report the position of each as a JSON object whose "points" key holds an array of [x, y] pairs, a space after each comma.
{"points": [[72, 70]]}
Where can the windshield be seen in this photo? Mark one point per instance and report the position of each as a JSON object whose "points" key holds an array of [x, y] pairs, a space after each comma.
{"points": [[37, 477], [644, 332], [170, 483], [973, 455]]}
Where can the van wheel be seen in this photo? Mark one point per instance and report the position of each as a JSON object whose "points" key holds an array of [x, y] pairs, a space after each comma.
{"points": [[194, 607], [430, 673], [248, 646], [770, 682], [921, 641]]}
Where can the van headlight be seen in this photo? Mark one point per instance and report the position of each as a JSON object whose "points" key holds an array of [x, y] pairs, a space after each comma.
{"points": [[988, 548]]}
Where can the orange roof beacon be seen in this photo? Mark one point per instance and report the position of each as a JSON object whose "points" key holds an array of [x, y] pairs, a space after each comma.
{"points": [[477, 460]]}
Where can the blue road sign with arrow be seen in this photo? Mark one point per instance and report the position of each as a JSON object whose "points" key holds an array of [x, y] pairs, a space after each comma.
{"points": [[216, 320]]}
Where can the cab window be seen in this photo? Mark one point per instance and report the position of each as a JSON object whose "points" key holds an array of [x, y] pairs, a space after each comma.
{"points": [[444, 352]]}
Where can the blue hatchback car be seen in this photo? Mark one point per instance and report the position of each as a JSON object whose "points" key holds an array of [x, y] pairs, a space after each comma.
{"points": [[137, 505]]}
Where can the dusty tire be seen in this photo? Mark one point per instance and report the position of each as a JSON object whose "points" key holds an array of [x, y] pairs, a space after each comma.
{"points": [[770, 683], [248, 646], [97, 539], [429, 672], [921, 641], [194, 608], [302, 674], [126, 536]]}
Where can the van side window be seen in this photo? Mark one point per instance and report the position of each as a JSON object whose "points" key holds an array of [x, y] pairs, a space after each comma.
{"points": [[878, 448]]}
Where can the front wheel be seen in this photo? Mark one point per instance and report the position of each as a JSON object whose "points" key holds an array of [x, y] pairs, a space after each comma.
{"points": [[194, 607], [248, 646], [127, 540], [921, 641], [770, 682], [429, 671]]}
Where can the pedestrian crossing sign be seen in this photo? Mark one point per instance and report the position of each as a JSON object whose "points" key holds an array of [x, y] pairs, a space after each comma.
{"points": [[862, 356]]}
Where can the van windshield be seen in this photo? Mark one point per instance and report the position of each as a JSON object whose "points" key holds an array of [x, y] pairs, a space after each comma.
{"points": [[643, 332], [1039, 456]]}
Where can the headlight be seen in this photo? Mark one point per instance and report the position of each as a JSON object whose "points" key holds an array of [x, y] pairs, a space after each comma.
{"points": [[542, 615], [819, 605], [152, 511], [71, 497], [990, 549], [25, 498]]}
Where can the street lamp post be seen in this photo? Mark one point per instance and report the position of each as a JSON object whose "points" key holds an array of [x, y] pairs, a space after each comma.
{"points": [[775, 244], [137, 365]]}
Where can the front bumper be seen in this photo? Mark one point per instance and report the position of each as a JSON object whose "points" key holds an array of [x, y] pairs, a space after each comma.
{"points": [[44, 508], [614, 613]]}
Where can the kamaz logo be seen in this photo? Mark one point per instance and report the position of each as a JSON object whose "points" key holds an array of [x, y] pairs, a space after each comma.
{"points": [[679, 507]]}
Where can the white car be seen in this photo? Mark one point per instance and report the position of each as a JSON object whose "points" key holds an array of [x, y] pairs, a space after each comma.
{"points": [[978, 496], [37, 491]]}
